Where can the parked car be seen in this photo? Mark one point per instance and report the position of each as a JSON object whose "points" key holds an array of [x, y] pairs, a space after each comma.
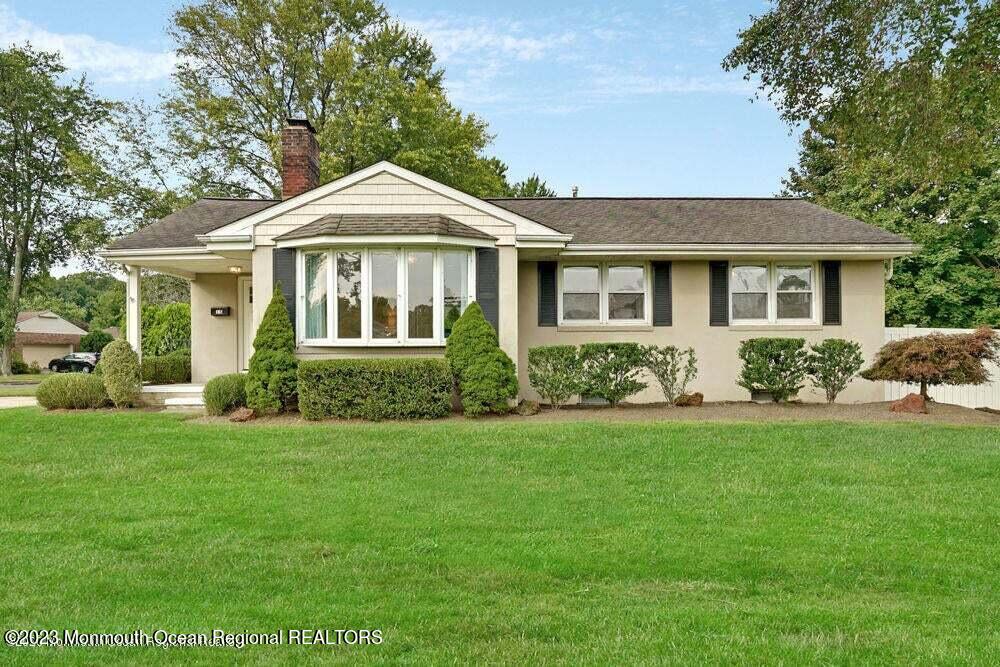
{"points": [[77, 362]]}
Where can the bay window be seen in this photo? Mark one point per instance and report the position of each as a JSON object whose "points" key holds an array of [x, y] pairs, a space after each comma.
{"points": [[604, 293], [772, 292], [382, 296]]}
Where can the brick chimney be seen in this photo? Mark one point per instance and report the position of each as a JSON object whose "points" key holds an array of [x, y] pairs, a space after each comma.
{"points": [[299, 158]]}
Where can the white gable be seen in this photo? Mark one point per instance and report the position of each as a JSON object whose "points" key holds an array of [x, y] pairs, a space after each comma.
{"points": [[385, 188]]}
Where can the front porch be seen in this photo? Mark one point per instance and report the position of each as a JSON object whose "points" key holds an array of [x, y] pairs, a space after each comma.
{"points": [[173, 395]]}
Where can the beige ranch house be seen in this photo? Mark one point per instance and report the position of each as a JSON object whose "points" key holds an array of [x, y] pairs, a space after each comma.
{"points": [[381, 262]]}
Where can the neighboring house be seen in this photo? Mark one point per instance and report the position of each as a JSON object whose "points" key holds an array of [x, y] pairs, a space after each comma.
{"points": [[41, 336], [379, 263]]}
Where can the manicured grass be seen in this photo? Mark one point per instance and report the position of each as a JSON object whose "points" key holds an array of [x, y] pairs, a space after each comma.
{"points": [[501, 542], [21, 379], [19, 390]]}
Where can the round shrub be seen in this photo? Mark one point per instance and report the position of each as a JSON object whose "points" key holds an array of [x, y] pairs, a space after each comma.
{"points": [[18, 367], [674, 369], [95, 341], [775, 365], [271, 380], [833, 363], [120, 373], [556, 373], [71, 391], [611, 370], [225, 393]]}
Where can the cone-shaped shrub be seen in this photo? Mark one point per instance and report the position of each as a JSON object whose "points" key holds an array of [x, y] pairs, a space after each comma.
{"points": [[486, 376], [271, 380], [120, 373]]}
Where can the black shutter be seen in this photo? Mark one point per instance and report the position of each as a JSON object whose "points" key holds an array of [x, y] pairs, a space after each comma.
{"points": [[488, 284], [283, 263], [547, 294], [718, 294], [831, 292], [663, 303]]}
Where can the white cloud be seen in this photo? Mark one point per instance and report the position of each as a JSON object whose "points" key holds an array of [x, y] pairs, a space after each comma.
{"points": [[103, 61], [460, 39]]}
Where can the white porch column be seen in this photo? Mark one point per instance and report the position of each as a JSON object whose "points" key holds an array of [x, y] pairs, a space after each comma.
{"points": [[133, 309], [507, 259]]}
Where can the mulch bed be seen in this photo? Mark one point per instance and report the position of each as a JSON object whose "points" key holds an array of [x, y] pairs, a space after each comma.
{"points": [[940, 413]]}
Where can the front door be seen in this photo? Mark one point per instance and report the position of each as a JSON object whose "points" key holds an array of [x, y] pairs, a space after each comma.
{"points": [[245, 321]]}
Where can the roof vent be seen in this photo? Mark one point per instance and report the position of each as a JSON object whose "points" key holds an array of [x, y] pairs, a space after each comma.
{"points": [[576, 191]]}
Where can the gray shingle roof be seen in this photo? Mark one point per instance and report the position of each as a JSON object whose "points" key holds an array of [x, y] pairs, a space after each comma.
{"points": [[356, 224], [602, 220], [181, 228], [697, 220]]}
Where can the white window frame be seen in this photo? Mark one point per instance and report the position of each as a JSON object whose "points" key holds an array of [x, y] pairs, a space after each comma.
{"points": [[603, 302], [402, 306], [772, 293]]}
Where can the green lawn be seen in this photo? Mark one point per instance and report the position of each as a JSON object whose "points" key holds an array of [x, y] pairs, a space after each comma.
{"points": [[513, 543], [19, 385]]}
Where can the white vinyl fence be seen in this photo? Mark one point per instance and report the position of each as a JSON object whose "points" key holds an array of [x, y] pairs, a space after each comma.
{"points": [[971, 396]]}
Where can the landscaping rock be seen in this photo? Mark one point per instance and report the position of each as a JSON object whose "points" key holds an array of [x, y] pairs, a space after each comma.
{"points": [[690, 400], [528, 408], [241, 415], [911, 403]]}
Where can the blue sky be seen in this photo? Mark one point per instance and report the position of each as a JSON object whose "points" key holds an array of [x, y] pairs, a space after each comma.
{"points": [[619, 99]]}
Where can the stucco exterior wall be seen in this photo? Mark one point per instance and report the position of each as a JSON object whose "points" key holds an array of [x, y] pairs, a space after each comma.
{"points": [[863, 315], [43, 354], [214, 345]]}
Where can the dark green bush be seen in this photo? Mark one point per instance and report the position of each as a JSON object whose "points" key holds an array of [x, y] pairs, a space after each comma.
{"points": [[120, 373], [95, 341], [170, 330], [485, 375], [375, 389], [489, 384], [173, 368], [775, 365], [18, 367], [556, 372], [225, 393], [471, 337], [611, 370], [833, 363], [71, 391], [271, 380]]}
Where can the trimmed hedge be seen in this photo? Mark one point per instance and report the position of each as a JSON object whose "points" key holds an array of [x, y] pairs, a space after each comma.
{"points": [[121, 373], [555, 372], [375, 389], [612, 370], [72, 391], [173, 368], [225, 393], [774, 365]]}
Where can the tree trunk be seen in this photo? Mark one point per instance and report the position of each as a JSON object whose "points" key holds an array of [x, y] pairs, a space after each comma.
{"points": [[923, 390], [14, 299]]}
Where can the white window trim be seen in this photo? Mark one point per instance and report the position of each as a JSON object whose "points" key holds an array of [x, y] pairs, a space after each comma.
{"points": [[772, 293], [402, 305], [603, 302]]}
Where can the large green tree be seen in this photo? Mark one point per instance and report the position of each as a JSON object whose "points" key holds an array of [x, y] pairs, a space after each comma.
{"points": [[954, 280], [367, 84], [919, 79], [45, 217]]}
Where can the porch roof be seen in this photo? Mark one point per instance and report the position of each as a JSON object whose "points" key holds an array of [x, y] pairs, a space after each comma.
{"points": [[181, 228], [358, 225]]}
